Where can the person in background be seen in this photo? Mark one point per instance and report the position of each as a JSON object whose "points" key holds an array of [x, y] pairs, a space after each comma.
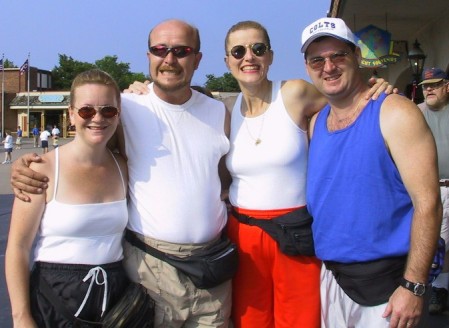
{"points": [[372, 189], [19, 138], [175, 184], [8, 146], [35, 133], [79, 257], [44, 141], [435, 86], [55, 140], [55, 131]]}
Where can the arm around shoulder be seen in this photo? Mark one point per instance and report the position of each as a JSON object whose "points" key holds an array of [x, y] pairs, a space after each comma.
{"points": [[25, 179], [302, 98]]}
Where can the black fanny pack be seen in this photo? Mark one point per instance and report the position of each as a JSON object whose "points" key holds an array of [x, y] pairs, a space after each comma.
{"points": [[369, 283], [292, 231], [208, 268]]}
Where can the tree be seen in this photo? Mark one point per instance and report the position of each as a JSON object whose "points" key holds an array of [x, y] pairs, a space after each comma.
{"points": [[119, 71], [225, 83], [68, 68], [8, 64]]}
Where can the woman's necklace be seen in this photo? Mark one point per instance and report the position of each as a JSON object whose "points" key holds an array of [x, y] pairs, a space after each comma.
{"points": [[257, 140], [341, 123], [265, 104]]}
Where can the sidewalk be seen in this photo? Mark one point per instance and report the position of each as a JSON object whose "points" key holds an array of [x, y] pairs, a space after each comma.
{"points": [[27, 147]]}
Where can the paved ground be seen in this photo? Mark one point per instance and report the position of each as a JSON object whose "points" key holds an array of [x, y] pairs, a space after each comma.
{"points": [[6, 200]]}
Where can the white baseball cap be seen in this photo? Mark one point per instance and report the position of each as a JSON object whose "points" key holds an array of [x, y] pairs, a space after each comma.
{"points": [[334, 27]]}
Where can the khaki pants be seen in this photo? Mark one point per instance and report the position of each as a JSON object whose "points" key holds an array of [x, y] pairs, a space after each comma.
{"points": [[178, 302]]}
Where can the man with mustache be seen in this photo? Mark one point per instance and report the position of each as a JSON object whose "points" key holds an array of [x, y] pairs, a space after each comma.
{"points": [[435, 108]]}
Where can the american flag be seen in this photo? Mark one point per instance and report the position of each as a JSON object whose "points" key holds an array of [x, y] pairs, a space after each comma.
{"points": [[24, 67]]}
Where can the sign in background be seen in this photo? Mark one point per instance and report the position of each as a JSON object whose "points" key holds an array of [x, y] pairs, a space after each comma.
{"points": [[376, 46]]}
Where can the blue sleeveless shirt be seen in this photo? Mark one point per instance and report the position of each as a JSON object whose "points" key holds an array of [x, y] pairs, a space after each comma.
{"points": [[360, 206]]}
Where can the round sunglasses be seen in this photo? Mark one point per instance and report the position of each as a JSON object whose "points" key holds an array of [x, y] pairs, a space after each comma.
{"points": [[259, 49], [178, 51], [88, 112]]}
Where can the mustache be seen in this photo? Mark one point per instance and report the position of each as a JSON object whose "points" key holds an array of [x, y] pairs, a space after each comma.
{"points": [[168, 68]]}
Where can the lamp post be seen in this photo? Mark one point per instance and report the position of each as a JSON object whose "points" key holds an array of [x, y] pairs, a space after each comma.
{"points": [[416, 58]]}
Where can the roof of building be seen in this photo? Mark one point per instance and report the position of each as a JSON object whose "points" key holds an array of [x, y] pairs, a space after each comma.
{"points": [[44, 99]]}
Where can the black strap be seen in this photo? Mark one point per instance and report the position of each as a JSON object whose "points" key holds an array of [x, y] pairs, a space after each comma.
{"points": [[267, 222], [131, 238], [249, 220]]}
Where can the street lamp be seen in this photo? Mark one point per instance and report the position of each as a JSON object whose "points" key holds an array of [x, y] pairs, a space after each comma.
{"points": [[416, 58]]}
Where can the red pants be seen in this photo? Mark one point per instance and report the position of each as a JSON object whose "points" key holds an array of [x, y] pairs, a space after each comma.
{"points": [[272, 289]]}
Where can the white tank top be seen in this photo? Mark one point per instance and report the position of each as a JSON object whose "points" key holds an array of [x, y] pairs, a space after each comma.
{"points": [[272, 173], [174, 185], [81, 233]]}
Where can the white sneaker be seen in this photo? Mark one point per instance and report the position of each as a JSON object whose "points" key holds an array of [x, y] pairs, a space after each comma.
{"points": [[5, 162]]}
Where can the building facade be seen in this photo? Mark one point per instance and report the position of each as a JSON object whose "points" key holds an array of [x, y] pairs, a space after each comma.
{"points": [[28, 103]]}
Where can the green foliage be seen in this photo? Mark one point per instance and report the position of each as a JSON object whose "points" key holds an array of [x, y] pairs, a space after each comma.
{"points": [[8, 64], [225, 83], [68, 68]]}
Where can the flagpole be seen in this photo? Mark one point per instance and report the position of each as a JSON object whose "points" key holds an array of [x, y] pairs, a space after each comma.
{"points": [[3, 96], [28, 99]]}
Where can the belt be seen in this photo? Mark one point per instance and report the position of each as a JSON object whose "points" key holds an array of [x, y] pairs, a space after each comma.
{"points": [[444, 183]]}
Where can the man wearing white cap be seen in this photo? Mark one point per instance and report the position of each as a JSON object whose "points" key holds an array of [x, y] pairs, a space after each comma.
{"points": [[372, 189], [435, 108]]}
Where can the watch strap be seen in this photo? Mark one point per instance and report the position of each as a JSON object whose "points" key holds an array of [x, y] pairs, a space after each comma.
{"points": [[417, 288]]}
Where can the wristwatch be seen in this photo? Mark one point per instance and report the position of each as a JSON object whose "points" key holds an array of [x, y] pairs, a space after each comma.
{"points": [[417, 289]]}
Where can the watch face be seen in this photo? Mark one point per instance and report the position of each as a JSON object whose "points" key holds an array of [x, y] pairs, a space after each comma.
{"points": [[419, 289]]}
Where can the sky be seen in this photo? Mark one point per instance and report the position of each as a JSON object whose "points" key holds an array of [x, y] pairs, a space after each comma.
{"points": [[88, 30]]}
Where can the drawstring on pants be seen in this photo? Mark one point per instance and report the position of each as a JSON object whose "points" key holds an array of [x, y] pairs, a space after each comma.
{"points": [[93, 275]]}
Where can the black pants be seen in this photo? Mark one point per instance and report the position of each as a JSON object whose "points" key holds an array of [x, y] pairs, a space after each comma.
{"points": [[66, 283]]}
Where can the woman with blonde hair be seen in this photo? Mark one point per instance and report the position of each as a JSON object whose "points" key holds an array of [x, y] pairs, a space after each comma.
{"points": [[77, 224]]}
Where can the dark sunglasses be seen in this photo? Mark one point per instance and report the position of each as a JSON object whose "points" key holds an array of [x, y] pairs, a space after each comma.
{"points": [[336, 58], [259, 49], [178, 51], [87, 112]]}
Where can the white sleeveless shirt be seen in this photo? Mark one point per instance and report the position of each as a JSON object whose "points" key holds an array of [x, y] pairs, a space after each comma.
{"points": [[81, 233], [270, 174]]}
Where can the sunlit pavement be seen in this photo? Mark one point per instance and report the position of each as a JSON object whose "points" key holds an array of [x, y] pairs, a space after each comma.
{"points": [[6, 200]]}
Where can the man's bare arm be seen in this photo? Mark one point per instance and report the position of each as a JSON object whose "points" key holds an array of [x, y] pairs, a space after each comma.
{"points": [[413, 150]]}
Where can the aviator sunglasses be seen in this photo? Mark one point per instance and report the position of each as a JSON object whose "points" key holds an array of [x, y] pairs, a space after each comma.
{"points": [[87, 112], [259, 49], [178, 51], [336, 58]]}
